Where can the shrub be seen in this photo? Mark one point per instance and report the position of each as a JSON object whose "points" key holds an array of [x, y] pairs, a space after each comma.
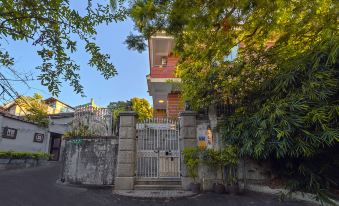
{"points": [[79, 131], [219, 159], [24, 155], [191, 160]]}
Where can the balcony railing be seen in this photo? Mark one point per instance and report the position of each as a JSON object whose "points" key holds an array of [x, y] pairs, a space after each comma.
{"points": [[163, 72], [225, 109]]}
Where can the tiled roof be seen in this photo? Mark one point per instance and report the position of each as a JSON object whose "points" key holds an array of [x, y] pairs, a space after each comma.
{"points": [[20, 118]]}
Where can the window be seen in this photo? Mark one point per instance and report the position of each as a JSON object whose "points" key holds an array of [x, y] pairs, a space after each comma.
{"points": [[53, 105], [163, 61], [9, 133]]}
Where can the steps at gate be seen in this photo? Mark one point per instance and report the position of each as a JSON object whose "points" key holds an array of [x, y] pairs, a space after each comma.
{"points": [[158, 184], [157, 187]]}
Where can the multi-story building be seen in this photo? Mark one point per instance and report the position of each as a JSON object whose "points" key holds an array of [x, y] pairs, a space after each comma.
{"points": [[54, 106], [162, 80]]}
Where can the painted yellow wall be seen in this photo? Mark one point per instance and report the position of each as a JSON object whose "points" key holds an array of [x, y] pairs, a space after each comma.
{"points": [[59, 107], [16, 110]]}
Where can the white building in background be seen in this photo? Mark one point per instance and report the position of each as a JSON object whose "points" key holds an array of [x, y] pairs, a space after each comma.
{"points": [[19, 134]]}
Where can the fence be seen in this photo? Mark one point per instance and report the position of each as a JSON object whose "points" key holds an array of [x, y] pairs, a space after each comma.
{"points": [[99, 120]]}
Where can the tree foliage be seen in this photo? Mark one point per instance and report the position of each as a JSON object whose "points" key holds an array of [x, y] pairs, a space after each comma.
{"points": [[284, 80], [142, 108], [56, 30], [117, 107], [35, 109], [139, 105]]}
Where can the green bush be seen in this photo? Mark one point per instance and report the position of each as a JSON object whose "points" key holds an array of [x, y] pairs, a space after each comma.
{"points": [[219, 159], [210, 158], [24, 155], [79, 131], [191, 160]]}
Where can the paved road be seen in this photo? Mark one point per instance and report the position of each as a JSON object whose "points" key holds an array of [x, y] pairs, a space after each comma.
{"points": [[38, 187]]}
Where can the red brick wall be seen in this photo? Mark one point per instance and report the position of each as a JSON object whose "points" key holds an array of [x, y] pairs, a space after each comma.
{"points": [[174, 105], [172, 61], [159, 113], [167, 71]]}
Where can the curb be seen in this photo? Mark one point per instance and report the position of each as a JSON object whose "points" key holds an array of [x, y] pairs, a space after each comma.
{"points": [[154, 194], [308, 197], [87, 186]]}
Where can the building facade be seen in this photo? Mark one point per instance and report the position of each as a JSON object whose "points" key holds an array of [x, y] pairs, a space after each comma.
{"points": [[28, 136], [162, 81], [20, 135], [54, 106]]}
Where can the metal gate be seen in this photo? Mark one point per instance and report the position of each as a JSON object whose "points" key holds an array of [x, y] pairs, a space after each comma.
{"points": [[158, 153]]}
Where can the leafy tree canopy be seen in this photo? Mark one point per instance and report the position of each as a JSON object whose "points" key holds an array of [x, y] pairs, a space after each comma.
{"points": [[288, 64], [35, 108], [284, 80], [141, 106], [117, 107], [55, 30]]}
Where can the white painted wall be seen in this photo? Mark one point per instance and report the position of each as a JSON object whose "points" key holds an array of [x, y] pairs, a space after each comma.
{"points": [[59, 125], [25, 136]]}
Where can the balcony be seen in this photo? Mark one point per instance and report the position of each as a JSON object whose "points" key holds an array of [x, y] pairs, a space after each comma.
{"points": [[166, 70], [162, 72]]}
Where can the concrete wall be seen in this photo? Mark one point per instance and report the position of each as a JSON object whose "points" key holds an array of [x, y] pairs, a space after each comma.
{"points": [[59, 125], [249, 171], [254, 172], [90, 161], [208, 176], [25, 135], [8, 164]]}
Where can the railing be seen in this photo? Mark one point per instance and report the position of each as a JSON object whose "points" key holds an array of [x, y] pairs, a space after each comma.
{"points": [[98, 113], [99, 120], [224, 110], [163, 72]]}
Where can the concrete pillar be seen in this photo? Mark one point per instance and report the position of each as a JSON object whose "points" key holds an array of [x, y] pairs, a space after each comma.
{"points": [[125, 175], [188, 138], [212, 116]]}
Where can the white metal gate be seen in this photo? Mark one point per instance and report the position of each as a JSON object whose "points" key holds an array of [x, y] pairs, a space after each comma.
{"points": [[158, 153]]}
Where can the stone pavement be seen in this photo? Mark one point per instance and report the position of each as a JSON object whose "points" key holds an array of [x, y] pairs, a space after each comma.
{"points": [[38, 187]]}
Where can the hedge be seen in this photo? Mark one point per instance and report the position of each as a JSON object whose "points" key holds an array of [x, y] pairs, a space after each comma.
{"points": [[24, 155]]}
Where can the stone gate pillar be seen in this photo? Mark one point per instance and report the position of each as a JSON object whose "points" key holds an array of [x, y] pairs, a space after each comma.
{"points": [[188, 138], [125, 172]]}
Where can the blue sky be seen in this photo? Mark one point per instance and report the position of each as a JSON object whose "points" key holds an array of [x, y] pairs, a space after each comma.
{"points": [[132, 68]]}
